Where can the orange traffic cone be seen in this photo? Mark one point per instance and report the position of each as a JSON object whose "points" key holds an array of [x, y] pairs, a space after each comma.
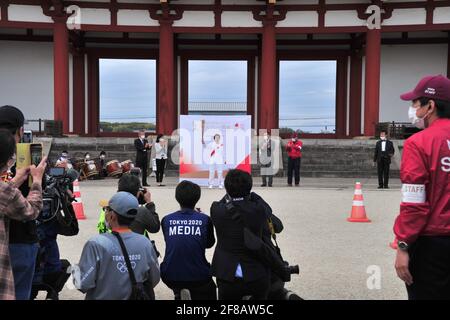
{"points": [[358, 213], [78, 204], [393, 244]]}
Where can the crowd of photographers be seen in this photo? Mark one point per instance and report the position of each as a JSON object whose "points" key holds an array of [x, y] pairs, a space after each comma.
{"points": [[121, 262]]}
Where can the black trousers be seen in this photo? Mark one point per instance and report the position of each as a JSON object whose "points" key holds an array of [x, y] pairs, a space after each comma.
{"points": [[264, 180], [294, 166], [237, 289], [199, 290], [160, 165], [383, 172], [429, 265], [143, 166]]}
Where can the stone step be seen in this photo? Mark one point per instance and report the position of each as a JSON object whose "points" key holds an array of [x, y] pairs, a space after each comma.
{"points": [[321, 158]]}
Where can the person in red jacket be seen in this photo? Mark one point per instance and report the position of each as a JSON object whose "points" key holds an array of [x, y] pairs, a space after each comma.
{"points": [[423, 225], [294, 150]]}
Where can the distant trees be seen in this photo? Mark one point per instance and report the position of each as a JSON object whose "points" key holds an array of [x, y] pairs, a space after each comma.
{"points": [[126, 126]]}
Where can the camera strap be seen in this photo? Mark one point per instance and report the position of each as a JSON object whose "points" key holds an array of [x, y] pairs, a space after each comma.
{"points": [[126, 257]]}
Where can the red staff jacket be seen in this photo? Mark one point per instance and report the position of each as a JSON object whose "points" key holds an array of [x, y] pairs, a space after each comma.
{"points": [[294, 149], [425, 175]]}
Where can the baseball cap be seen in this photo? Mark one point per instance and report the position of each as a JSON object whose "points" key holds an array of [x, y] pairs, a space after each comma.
{"points": [[434, 87], [124, 204], [11, 117]]}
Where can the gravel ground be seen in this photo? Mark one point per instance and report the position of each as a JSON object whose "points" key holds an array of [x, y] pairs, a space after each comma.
{"points": [[335, 256]]}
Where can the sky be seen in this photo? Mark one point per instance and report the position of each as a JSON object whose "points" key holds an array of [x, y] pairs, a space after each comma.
{"points": [[307, 90], [127, 90]]}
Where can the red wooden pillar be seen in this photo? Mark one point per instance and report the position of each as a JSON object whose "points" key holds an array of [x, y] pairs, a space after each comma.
{"points": [[61, 71], [166, 111], [267, 113], [78, 94], [372, 85], [355, 93], [341, 107]]}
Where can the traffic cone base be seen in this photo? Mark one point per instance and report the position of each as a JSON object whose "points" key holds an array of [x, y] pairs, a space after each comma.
{"points": [[358, 220]]}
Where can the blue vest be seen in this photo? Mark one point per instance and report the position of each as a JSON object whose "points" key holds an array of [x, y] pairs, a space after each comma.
{"points": [[186, 236]]}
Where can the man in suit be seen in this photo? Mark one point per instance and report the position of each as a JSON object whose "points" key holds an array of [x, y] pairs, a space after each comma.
{"points": [[142, 150], [240, 218], [384, 150]]}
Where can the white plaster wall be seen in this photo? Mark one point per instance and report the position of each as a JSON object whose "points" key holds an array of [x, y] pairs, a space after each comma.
{"points": [[27, 13], [343, 18], [300, 19], [95, 16], [26, 78], [402, 66], [239, 19], [442, 15], [406, 17], [135, 18], [196, 19]]}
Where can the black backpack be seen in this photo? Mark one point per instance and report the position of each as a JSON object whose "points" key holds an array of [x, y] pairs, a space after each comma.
{"points": [[139, 291]]}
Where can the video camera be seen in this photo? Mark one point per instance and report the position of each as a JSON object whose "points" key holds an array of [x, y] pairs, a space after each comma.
{"points": [[268, 253], [55, 185]]}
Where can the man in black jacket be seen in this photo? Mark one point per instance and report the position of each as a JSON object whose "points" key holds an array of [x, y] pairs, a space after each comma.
{"points": [[240, 220], [142, 151], [384, 150]]}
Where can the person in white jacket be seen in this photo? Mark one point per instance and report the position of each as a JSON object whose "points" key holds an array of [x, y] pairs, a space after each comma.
{"points": [[161, 157], [216, 161]]}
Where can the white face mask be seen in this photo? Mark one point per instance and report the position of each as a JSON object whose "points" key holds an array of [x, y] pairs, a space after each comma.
{"points": [[383, 138], [293, 139], [142, 137], [266, 138], [88, 157], [107, 225], [102, 157], [415, 120]]}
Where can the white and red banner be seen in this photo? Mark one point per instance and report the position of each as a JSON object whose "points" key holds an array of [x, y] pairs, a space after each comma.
{"points": [[212, 145]]}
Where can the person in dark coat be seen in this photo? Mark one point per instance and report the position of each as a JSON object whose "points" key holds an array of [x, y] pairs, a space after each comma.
{"points": [[143, 148], [384, 150]]}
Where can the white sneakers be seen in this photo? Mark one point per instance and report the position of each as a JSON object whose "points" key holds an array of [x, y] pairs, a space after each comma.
{"points": [[211, 186], [185, 294]]}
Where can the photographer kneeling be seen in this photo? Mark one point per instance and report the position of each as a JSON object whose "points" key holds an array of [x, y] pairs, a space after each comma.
{"points": [[243, 261], [147, 219]]}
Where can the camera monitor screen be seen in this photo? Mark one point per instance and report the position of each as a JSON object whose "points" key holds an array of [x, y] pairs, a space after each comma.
{"points": [[57, 172]]}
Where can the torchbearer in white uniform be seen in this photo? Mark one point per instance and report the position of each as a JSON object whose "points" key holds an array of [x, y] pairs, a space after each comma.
{"points": [[216, 161]]}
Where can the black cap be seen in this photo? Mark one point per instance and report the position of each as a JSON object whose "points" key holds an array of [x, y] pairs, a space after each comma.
{"points": [[11, 117]]}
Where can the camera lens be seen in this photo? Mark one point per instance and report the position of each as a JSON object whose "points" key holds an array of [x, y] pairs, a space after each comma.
{"points": [[294, 269]]}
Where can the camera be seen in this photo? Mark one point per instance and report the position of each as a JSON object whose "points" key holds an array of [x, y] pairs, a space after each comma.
{"points": [[55, 184], [288, 271]]}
